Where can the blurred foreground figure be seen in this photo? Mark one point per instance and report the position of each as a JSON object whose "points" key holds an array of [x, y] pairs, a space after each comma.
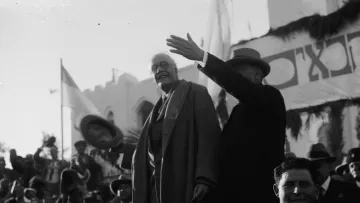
{"points": [[176, 158], [256, 125], [295, 181]]}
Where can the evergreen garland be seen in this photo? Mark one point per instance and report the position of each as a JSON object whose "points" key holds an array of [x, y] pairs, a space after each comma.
{"points": [[319, 27]]}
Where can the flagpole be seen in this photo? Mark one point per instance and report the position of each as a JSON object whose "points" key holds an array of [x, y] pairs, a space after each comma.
{"points": [[61, 110]]}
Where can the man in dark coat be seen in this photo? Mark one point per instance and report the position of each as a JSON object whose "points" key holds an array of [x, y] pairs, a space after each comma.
{"points": [[330, 188], [176, 158], [253, 139]]}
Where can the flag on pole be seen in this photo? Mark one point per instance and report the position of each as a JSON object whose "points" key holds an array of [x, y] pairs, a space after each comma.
{"points": [[77, 101], [217, 40]]}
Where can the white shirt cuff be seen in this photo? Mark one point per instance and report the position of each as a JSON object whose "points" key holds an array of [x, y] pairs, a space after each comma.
{"points": [[203, 62]]}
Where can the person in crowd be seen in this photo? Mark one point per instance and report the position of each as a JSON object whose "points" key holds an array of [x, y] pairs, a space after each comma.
{"points": [[295, 181], [122, 190], [110, 166], [258, 120], [52, 169], [38, 185], [85, 165], [6, 172], [4, 189], [354, 166], [176, 159], [25, 167], [342, 170], [70, 188], [330, 189], [17, 192], [126, 152]]}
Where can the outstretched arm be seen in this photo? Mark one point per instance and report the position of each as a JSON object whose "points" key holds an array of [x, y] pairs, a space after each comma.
{"points": [[225, 76]]}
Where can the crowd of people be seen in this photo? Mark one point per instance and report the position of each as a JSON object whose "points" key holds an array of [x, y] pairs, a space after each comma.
{"points": [[183, 155], [91, 176]]}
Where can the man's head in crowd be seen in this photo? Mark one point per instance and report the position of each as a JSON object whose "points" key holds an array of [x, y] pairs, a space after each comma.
{"points": [[322, 160], [294, 181], [354, 163], [248, 63], [164, 71], [80, 147], [251, 72]]}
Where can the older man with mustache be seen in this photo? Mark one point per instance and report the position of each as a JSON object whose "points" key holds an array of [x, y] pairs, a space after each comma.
{"points": [[176, 157]]}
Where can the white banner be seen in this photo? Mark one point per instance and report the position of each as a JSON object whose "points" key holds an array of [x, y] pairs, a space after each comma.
{"points": [[309, 72]]}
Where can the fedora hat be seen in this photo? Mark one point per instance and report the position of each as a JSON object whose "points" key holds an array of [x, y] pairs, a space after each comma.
{"points": [[249, 56], [100, 133], [114, 185], [342, 167], [318, 153], [354, 155]]}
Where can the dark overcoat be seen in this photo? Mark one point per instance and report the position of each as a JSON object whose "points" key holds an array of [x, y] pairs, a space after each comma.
{"points": [[253, 139], [190, 137]]}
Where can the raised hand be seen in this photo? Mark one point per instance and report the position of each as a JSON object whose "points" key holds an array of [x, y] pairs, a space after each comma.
{"points": [[186, 48]]}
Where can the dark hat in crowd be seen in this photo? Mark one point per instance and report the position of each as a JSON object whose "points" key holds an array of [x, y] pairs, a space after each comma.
{"points": [[354, 155], [318, 153], [93, 127], [69, 180], [249, 56], [342, 167], [114, 185], [80, 143]]}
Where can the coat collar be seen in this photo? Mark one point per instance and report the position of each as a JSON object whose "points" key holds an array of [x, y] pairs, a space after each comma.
{"points": [[173, 108]]}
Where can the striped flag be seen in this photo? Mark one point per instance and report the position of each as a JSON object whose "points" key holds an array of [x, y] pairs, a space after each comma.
{"points": [[77, 101]]}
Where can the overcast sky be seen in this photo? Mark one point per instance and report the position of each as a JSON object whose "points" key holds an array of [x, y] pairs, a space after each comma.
{"points": [[92, 37]]}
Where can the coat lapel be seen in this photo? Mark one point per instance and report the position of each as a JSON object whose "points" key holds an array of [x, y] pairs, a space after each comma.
{"points": [[173, 109]]}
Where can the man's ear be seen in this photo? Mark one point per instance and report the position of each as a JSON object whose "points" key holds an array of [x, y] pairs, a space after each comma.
{"points": [[276, 190]]}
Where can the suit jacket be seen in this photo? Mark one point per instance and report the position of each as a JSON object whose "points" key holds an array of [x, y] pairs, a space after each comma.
{"points": [[341, 192], [253, 139], [190, 137]]}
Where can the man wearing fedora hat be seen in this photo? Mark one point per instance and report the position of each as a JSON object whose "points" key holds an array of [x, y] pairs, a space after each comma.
{"points": [[330, 189], [256, 125], [353, 159]]}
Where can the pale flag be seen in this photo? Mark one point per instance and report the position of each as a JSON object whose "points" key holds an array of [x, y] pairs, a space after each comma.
{"points": [[217, 39], [77, 101]]}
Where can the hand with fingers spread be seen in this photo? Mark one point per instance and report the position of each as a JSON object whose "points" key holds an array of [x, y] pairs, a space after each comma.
{"points": [[186, 48]]}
